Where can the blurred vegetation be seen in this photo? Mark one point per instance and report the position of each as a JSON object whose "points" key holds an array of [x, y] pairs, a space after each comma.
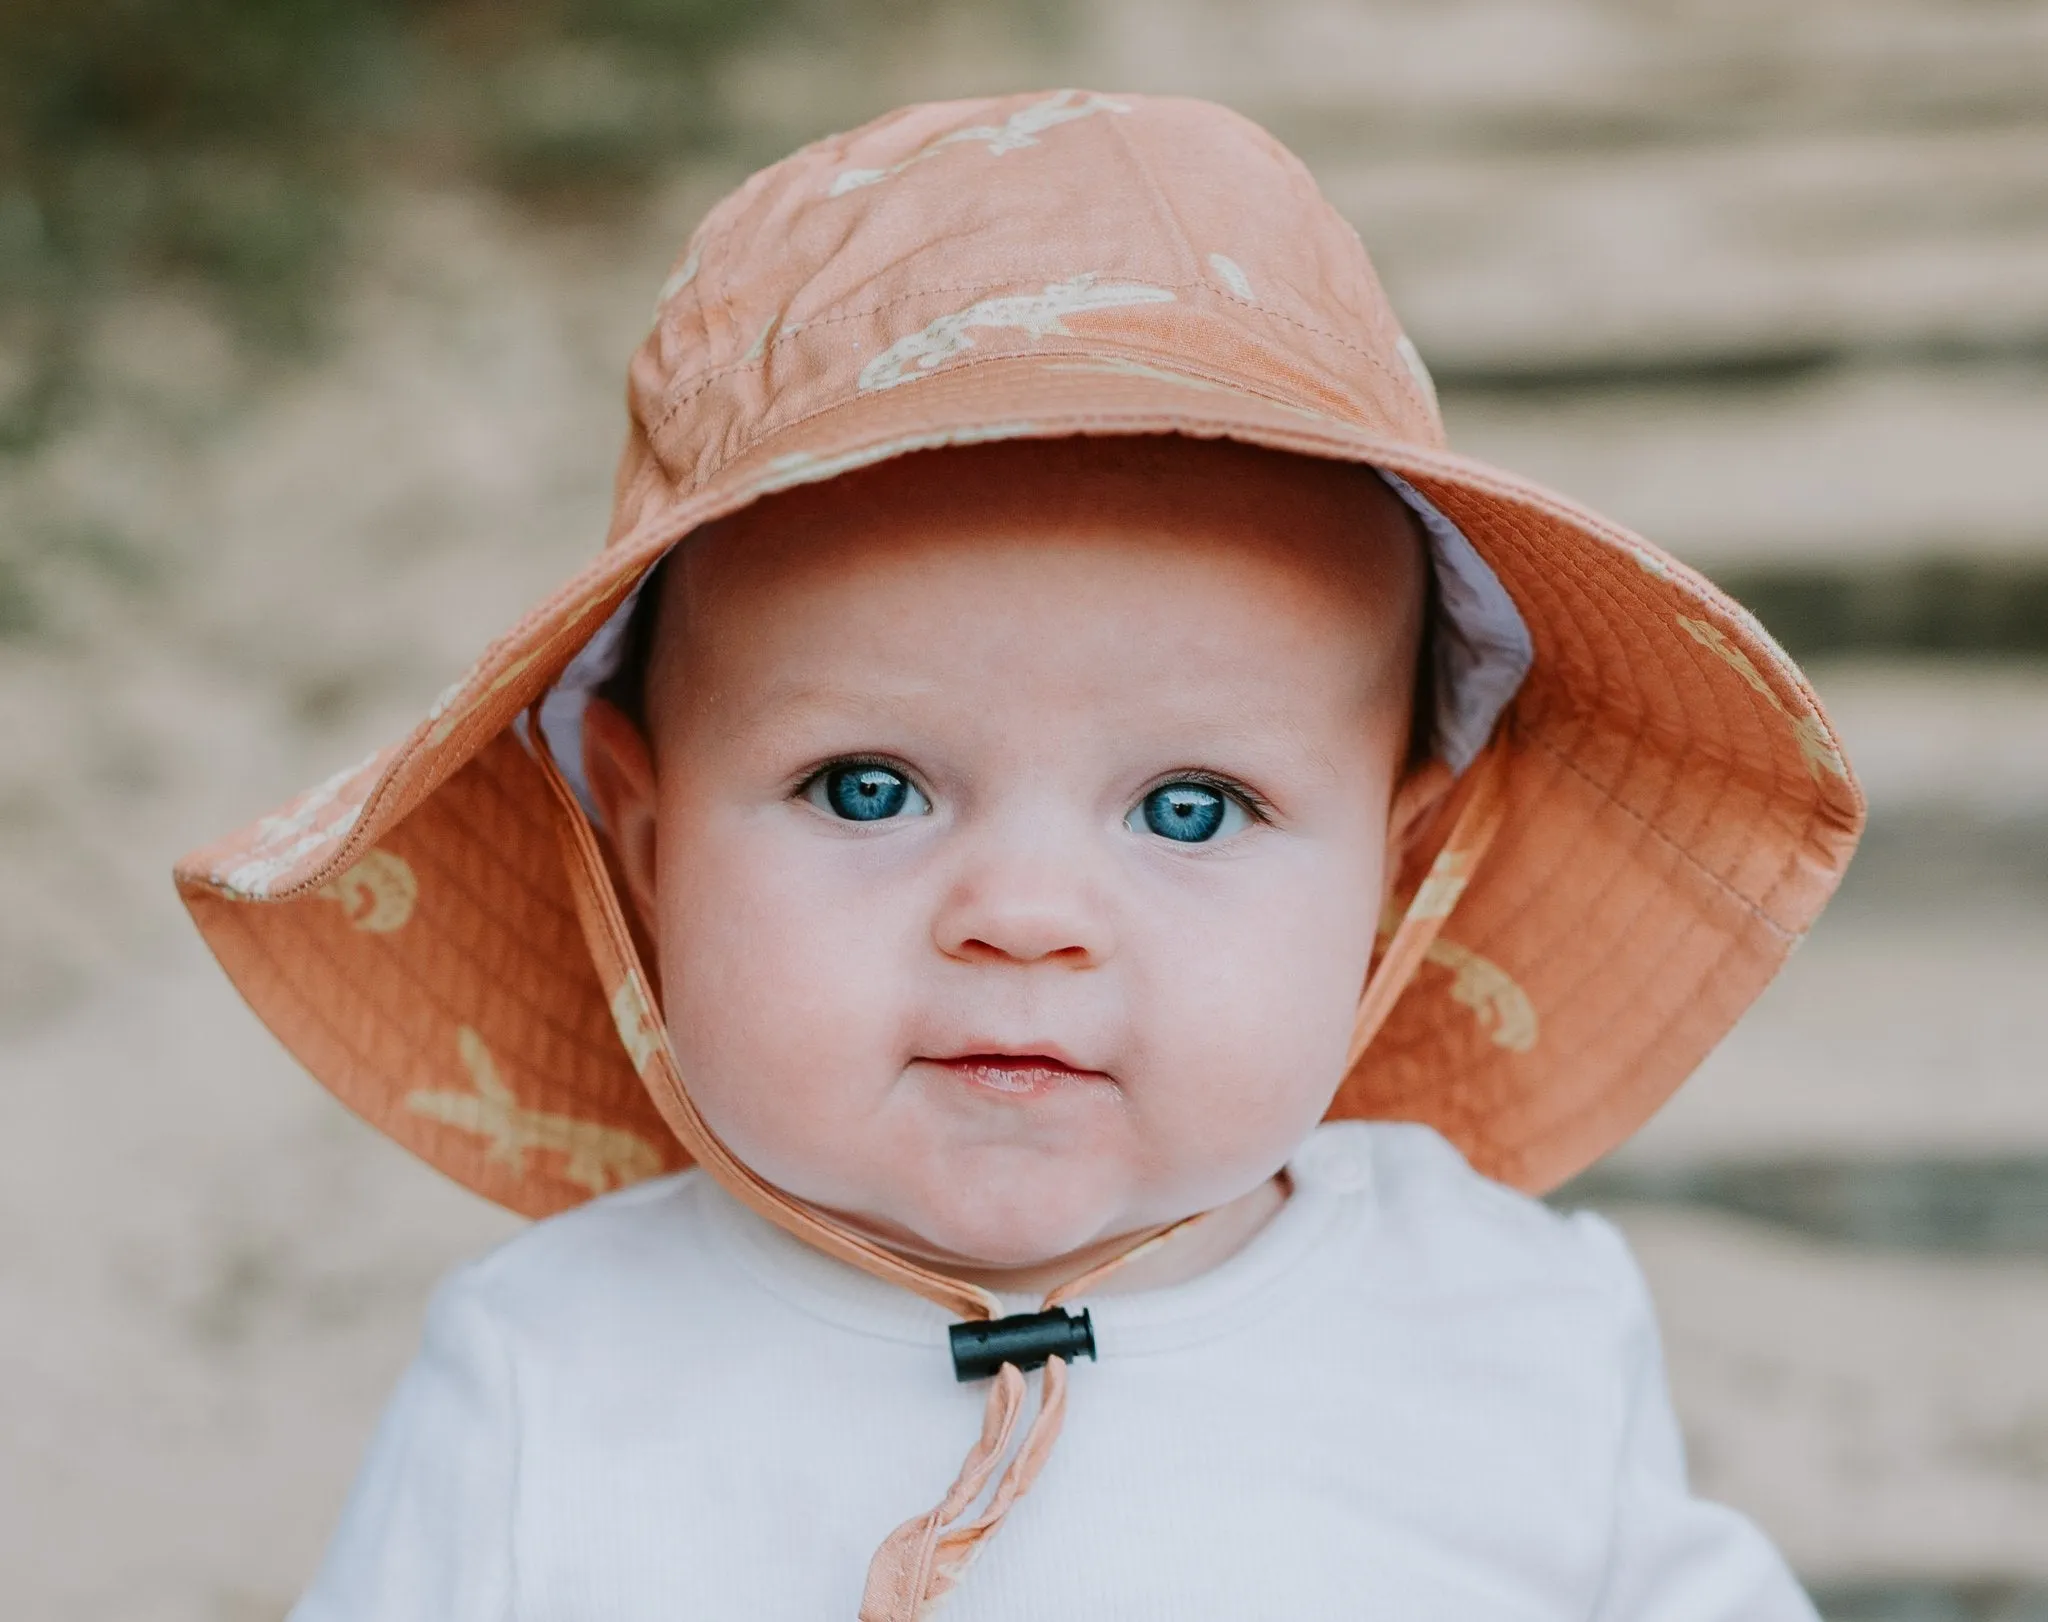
{"points": [[217, 145]]}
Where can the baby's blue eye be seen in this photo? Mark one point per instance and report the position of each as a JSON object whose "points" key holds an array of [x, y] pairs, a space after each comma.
{"points": [[1187, 812], [865, 793]]}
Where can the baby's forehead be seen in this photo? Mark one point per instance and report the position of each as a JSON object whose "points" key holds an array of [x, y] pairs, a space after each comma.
{"points": [[1160, 478], [1035, 506], [1085, 571]]}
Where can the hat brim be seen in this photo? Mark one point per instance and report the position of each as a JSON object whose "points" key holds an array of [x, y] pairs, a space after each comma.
{"points": [[1678, 812]]}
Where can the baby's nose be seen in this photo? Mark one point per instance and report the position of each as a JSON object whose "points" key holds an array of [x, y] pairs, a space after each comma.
{"points": [[1025, 907]]}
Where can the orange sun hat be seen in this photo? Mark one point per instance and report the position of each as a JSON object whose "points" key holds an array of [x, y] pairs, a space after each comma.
{"points": [[1664, 808]]}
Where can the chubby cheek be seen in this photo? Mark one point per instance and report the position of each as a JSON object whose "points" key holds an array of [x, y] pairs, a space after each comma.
{"points": [[782, 984], [1243, 1022]]}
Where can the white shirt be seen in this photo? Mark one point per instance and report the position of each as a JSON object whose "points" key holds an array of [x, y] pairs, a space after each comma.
{"points": [[1414, 1395]]}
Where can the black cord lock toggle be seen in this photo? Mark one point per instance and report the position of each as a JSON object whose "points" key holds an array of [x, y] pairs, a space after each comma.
{"points": [[1027, 1339]]}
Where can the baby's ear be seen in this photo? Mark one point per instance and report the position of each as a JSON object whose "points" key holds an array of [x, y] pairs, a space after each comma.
{"points": [[1417, 798], [619, 768]]}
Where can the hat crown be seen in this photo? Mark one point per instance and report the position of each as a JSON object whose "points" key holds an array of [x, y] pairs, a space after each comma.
{"points": [[1118, 231]]}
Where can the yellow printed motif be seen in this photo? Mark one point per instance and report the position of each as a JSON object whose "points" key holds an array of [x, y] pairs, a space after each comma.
{"points": [[638, 1028], [1019, 130], [1232, 273], [1411, 357], [312, 824], [1123, 366], [801, 467], [598, 1157], [1808, 731], [1651, 564], [1502, 1008], [447, 715], [1499, 1005], [1035, 314], [457, 704], [377, 894], [1448, 875], [679, 278]]}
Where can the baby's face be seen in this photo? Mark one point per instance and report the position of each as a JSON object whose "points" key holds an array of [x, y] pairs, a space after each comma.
{"points": [[1015, 829]]}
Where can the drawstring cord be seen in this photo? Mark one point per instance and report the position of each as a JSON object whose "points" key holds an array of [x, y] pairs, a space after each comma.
{"points": [[924, 1559], [1472, 813]]}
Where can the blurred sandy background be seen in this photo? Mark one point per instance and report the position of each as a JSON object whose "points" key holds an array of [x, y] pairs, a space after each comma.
{"points": [[313, 318]]}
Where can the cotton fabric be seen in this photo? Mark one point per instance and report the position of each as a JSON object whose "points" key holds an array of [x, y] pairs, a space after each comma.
{"points": [[661, 1406]]}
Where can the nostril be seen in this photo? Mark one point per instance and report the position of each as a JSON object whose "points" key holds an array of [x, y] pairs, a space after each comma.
{"points": [[975, 950], [1022, 917]]}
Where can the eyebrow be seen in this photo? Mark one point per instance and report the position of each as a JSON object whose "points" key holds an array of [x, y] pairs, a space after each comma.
{"points": [[786, 703]]}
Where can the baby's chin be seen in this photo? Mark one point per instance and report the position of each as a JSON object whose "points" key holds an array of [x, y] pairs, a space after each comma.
{"points": [[993, 1223]]}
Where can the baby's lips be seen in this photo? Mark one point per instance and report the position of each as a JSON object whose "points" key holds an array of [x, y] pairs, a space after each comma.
{"points": [[1029, 1074], [1056, 1055]]}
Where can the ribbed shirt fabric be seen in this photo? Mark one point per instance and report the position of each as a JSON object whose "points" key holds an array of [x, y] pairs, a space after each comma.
{"points": [[1414, 1395]]}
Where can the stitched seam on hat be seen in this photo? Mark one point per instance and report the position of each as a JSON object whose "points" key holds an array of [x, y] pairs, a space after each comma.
{"points": [[1753, 907], [1638, 595], [1400, 379], [1743, 712], [840, 144], [1289, 160], [1633, 649], [1622, 659], [1622, 542], [380, 1108], [1121, 135], [976, 361], [1655, 1039], [1648, 973], [1651, 973], [390, 1116], [1563, 869], [273, 979], [499, 921], [703, 380], [713, 266], [1587, 904], [512, 804], [455, 750], [790, 331]]}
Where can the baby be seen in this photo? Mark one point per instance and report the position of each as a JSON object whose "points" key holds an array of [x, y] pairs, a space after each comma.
{"points": [[1077, 859]]}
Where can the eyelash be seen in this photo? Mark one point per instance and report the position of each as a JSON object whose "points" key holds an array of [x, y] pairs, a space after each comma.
{"points": [[803, 784], [1256, 805]]}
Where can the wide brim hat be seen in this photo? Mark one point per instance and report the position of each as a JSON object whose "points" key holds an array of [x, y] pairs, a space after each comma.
{"points": [[1674, 809]]}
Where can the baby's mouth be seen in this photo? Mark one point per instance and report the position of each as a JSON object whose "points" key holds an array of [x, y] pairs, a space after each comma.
{"points": [[1019, 1075]]}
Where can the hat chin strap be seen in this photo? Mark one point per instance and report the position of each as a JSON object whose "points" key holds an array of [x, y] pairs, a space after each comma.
{"points": [[924, 1558], [1470, 817]]}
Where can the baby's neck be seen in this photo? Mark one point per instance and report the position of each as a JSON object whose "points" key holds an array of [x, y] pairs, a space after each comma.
{"points": [[1188, 1254]]}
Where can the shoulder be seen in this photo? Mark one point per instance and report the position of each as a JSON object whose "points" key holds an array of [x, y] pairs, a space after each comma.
{"points": [[635, 1252], [1425, 1216]]}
